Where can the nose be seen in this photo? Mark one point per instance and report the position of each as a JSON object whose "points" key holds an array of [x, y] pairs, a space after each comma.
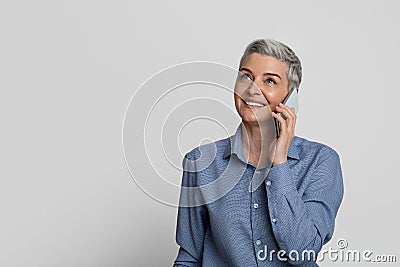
{"points": [[254, 89]]}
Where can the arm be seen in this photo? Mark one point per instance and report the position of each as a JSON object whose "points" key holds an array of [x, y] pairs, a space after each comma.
{"points": [[305, 222], [191, 225], [302, 222]]}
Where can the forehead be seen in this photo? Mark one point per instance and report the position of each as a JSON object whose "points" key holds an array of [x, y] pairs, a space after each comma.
{"points": [[260, 64]]}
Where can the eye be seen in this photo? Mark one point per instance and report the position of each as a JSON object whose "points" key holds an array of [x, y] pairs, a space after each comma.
{"points": [[245, 76], [270, 81]]}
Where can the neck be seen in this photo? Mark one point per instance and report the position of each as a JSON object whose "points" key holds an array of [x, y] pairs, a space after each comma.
{"points": [[254, 143]]}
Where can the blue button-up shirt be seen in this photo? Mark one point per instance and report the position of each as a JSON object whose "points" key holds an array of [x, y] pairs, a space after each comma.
{"points": [[284, 221]]}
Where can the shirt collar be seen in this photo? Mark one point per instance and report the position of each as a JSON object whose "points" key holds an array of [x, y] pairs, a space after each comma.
{"points": [[294, 149], [235, 146]]}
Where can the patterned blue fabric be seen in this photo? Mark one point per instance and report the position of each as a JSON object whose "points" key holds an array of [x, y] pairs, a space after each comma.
{"points": [[293, 211]]}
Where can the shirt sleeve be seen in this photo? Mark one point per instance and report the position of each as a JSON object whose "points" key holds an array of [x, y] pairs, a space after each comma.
{"points": [[191, 225], [305, 221]]}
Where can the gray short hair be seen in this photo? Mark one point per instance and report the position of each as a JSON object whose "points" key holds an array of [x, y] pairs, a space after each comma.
{"points": [[279, 51]]}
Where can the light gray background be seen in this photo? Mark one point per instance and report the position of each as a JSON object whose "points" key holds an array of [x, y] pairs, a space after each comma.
{"points": [[69, 68]]}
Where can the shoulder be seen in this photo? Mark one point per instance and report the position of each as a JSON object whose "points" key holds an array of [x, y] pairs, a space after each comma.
{"points": [[315, 151], [207, 160], [320, 165], [213, 149]]}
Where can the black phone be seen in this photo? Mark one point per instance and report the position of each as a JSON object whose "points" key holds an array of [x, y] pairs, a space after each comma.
{"points": [[292, 101]]}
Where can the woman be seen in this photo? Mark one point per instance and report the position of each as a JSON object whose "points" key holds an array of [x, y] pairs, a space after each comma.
{"points": [[290, 214]]}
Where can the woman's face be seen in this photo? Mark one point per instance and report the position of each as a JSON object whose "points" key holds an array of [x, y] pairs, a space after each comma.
{"points": [[267, 83]]}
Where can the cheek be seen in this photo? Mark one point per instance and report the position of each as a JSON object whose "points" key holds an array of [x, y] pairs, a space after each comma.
{"points": [[238, 100], [274, 98], [238, 103]]}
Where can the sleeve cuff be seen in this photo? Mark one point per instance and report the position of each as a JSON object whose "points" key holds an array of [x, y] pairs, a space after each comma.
{"points": [[280, 179]]}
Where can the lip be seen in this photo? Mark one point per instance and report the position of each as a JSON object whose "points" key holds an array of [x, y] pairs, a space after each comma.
{"points": [[245, 101]]}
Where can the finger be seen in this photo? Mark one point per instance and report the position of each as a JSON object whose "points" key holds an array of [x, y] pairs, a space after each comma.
{"points": [[292, 118], [295, 116], [287, 109], [289, 114], [282, 122]]}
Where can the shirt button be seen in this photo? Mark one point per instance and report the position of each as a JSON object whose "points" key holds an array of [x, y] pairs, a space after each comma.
{"points": [[274, 220], [269, 183], [258, 242], [258, 172], [255, 205]]}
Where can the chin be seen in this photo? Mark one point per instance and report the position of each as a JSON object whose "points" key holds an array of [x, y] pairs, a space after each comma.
{"points": [[249, 118], [252, 122]]}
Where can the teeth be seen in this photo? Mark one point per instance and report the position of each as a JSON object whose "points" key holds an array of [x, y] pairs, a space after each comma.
{"points": [[254, 104]]}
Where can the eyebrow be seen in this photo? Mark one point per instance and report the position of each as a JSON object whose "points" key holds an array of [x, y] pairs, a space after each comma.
{"points": [[267, 73]]}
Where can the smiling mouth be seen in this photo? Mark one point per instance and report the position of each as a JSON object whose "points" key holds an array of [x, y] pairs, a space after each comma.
{"points": [[253, 104]]}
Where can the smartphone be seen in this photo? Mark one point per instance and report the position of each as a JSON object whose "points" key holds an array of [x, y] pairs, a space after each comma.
{"points": [[292, 101]]}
